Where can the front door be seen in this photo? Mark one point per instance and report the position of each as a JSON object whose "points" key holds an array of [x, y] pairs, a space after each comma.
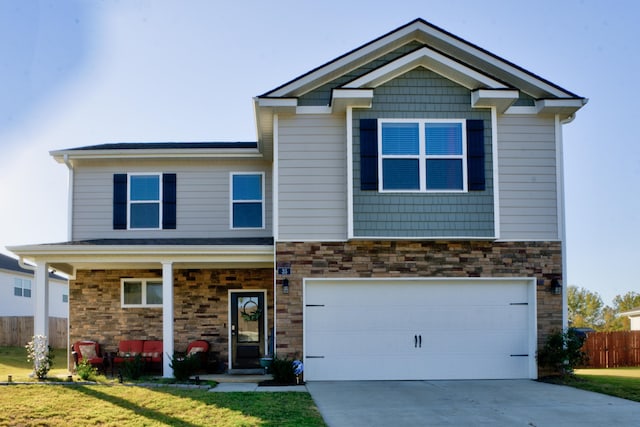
{"points": [[247, 329]]}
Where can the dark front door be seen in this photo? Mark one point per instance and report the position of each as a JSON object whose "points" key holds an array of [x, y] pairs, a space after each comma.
{"points": [[247, 329]]}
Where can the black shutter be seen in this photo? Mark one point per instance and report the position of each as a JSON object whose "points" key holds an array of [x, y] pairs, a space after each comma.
{"points": [[475, 155], [120, 201], [368, 154], [169, 201]]}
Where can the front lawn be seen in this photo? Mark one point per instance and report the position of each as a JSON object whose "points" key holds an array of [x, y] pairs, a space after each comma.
{"points": [[112, 404], [13, 361], [120, 405], [619, 382]]}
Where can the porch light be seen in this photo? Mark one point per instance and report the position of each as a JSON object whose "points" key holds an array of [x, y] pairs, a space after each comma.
{"points": [[556, 287], [285, 286]]}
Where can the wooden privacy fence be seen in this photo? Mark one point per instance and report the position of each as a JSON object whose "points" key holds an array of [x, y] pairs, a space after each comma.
{"points": [[17, 331], [613, 349]]}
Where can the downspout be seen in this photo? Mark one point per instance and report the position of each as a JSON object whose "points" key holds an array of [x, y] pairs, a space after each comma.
{"points": [[275, 225], [70, 198], [563, 228]]}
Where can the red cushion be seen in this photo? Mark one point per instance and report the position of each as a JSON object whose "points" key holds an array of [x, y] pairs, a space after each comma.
{"points": [[198, 344], [152, 346], [130, 346], [77, 349]]}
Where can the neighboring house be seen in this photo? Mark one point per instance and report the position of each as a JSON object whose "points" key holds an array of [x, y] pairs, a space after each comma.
{"points": [[401, 216], [634, 318], [16, 285], [17, 305]]}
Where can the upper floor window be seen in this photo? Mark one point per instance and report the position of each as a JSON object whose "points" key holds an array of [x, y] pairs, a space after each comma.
{"points": [[144, 201], [247, 200], [141, 293], [422, 155], [22, 287]]}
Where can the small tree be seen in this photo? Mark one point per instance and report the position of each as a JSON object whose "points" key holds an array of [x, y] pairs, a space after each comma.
{"points": [[41, 354], [585, 308], [562, 352]]}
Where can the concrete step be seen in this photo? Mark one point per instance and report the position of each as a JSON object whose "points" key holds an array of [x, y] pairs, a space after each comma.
{"points": [[235, 378]]}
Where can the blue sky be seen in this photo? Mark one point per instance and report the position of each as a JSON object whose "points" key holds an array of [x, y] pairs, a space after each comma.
{"points": [[76, 73]]}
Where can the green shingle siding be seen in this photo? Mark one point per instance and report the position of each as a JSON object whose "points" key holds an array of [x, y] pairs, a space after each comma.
{"points": [[421, 93], [322, 95]]}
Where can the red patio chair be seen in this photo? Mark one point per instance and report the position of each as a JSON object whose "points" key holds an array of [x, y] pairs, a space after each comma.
{"points": [[90, 351]]}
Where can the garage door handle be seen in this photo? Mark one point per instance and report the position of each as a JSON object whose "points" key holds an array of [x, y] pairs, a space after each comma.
{"points": [[420, 340], [415, 341]]}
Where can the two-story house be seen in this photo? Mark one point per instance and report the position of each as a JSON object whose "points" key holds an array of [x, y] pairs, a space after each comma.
{"points": [[401, 216]]}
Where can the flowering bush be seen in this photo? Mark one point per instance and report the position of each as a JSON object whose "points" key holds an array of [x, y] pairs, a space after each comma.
{"points": [[41, 355]]}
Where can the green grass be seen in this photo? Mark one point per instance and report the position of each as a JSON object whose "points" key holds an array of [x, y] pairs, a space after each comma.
{"points": [[112, 404], [619, 382], [13, 361], [118, 405]]}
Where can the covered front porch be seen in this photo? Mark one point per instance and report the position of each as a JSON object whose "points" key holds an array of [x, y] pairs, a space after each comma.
{"points": [[173, 290]]}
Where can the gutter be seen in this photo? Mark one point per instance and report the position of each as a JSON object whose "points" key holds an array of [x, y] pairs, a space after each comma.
{"points": [[22, 264]]}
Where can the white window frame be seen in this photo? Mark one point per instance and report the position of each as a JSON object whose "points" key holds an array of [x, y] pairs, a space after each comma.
{"points": [[143, 298], [22, 282], [232, 201], [133, 202], [422, 156]]}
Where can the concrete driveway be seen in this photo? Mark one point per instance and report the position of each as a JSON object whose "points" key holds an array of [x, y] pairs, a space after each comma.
{"points": [[467, 403]]}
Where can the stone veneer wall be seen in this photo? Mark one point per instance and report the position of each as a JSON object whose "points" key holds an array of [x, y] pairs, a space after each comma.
{"points": [[201, 302], [542, 260]]}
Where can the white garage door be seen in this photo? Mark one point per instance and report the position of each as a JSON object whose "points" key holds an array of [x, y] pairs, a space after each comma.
{"points": [[419, 329]]}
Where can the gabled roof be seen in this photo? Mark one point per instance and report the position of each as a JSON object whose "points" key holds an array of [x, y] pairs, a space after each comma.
{"points": [[435, 39], [492, 80]]}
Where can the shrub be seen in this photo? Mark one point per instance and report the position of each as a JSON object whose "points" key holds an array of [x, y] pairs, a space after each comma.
{"points": [[132, 368], [283, 371], [184, 366], [562, 352], [86, 371], [41, 355]]}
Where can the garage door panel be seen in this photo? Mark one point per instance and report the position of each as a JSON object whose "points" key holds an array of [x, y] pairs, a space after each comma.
{"points": [[457, 367], [343, 344], [469, 329], [337, 317], [488, 343], [352, 367]]}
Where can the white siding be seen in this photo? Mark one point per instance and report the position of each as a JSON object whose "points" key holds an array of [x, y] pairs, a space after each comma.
{"points": [[312, 177], [202, 198], [527, 174], [11, 305]]}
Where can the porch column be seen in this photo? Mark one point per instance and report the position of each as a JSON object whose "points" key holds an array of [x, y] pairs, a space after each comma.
{"points": [[167, 318], [41, 300]]}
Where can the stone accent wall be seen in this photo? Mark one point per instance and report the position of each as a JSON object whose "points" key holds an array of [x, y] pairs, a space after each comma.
{"points": [[366, 259], [200, 306]]}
